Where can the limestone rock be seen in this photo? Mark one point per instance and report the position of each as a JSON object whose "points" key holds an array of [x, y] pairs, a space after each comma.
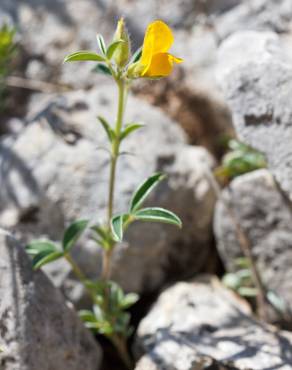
{"points": [[201, 325], [38, 329], [265, 216], [257, 86]]}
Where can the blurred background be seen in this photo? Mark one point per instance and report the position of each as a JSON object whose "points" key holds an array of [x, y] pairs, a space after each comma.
{"points": [[53, 162]]}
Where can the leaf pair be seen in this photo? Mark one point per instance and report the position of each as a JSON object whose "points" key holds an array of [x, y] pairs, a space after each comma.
{"points": [[129, 128], [119, 223], [105, 56], [44, 252]]}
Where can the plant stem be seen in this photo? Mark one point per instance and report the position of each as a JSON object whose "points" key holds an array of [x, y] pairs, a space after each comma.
{"points": [[115, 154], [78, 273], [118, 341], [246, 249], [121, 346]]}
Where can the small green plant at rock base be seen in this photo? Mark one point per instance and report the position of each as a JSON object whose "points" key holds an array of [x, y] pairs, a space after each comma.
{"points": [[7, 50], [109, 314], [241, 280], [240, 159]]}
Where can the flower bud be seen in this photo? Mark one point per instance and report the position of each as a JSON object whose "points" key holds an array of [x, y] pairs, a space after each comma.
{"points": [[122, 52]]}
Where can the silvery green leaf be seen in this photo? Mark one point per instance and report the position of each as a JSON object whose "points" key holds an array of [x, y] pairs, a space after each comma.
{"points": [[156, 214], [117, 226], [73, 233], [84, 55], [131, 127], [101, 43], [144, 190]]}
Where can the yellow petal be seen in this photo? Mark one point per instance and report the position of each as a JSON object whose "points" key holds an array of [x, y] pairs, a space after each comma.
{"points": [[161, 65], [158, 39]]}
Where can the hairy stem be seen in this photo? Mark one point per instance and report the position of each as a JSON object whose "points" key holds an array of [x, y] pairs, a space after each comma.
{"points": [[78, 273], [114, 158], [76, 269]]}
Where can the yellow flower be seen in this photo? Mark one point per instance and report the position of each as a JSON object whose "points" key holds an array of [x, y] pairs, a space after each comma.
{"points": [[155, 60]]}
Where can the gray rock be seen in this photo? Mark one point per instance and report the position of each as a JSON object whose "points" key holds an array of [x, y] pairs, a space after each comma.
{"points": [[182, 14], [256, 15], [201, 325], [51, 29], [207, 111], [38, 329], [56, 170], [265, 216], [257, 84]]}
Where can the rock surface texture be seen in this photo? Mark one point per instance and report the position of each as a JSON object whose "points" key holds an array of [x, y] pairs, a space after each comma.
{"points": [[265, 215], [201, 325], [56, 170], [38, 329], [256, 81]]}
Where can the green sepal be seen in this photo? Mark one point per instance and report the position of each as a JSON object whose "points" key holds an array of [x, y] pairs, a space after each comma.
{"points": [[136, 56], [112, 48]]}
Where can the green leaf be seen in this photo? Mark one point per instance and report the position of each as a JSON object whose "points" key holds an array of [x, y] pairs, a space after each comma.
{"points": [[277, 301], [128, 300], [131, 127], [137, 55], [100, 231], [112, 48], [37, 247], [104, 239], [43, 252], [159, 215], [240, 160], [84, 55], [86, 316], [143, 191], [231, 280], [45, 257], [242, 262], [247, 291], [101, 68], [101, 43], [107, 128], [117, 226], [72, 234]]}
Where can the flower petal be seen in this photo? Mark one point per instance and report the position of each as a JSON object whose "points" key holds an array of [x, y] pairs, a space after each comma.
{"points": [[161, 65], [158, 39]]}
